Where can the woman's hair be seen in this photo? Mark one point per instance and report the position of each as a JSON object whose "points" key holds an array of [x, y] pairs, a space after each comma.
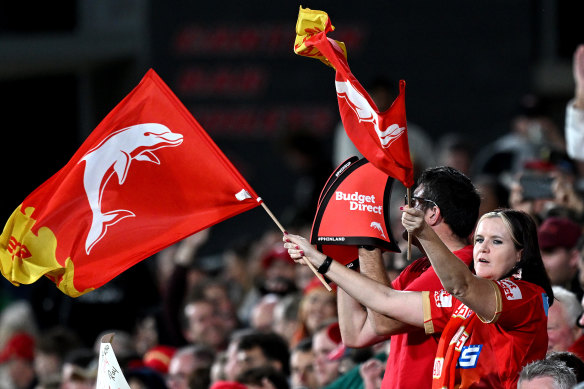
{"points": [[523, 232]]}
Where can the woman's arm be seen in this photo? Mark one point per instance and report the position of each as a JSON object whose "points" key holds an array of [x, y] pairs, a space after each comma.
{"points": [[403, 306], [476, 293]]}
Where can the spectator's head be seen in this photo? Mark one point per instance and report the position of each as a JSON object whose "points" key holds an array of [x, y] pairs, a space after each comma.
{"points": [[18, 355], [571, 360], [51, 349], [262, 313], [216, 291], [546, 374], [562, 325], [185, 362], [527, 261], [316, 306], [302, 375], [558, 238], [286, 316], [80, 369], [324, 341], [454, 194], [231, 367], [202, 323], [257, 349]]}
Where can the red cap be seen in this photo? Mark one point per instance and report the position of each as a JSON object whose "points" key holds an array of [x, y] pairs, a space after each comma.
{"points": [[558, 232], [277, 253], [20, 345], [227, 385], [314, 284], [158, 358]]}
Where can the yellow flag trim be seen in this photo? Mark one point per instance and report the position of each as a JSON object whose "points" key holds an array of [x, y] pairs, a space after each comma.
{"points": [[26, 257], [311, 22]]}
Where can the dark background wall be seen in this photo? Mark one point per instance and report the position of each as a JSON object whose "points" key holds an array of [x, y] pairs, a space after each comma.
{"points": [[466, 65]]}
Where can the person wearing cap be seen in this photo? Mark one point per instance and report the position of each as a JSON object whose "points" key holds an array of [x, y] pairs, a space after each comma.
{"points": [[450, 204], [326, 340], [558, 241], [18, 355], [317, 305], [490, 324]]}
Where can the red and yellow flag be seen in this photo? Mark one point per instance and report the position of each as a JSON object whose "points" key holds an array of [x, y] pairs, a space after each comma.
{"points": [[147, 177], [380, 136]]}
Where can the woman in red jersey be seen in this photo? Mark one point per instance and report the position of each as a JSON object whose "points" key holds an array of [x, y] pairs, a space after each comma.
{"points": [[491, 324]]}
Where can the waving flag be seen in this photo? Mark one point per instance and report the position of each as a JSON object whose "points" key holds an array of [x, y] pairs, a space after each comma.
{"points": [[380, 136], [147, 177]]}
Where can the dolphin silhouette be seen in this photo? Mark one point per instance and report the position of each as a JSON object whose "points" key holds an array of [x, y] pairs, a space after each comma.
{"points": [[359, 104], [114, 155], [377, 226]]}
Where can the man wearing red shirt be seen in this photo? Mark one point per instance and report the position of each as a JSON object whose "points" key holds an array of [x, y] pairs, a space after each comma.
{"points": [[451, 205]]}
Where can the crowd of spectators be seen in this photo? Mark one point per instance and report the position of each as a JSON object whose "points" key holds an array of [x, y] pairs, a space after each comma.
{"points": [[250, 317]]}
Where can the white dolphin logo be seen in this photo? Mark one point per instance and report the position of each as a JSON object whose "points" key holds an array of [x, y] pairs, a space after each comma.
{"points": [[358, 103], [115, 155], [377, 226]]}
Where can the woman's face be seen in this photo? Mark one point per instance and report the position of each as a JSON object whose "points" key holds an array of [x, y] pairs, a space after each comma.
{"points": [[318, 306], [494, 252]]}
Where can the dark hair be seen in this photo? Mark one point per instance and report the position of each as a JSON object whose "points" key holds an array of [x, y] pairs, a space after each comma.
{"points": [[304, 345], [571, 360], [273, 346], [523, 232], [255, 376], [455, 195]]}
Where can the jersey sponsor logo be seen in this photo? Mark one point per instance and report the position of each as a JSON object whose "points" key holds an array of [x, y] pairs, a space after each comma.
{"points": [[438, 365], [442, 298], [462, 312], [511, 290], [469, 356]]}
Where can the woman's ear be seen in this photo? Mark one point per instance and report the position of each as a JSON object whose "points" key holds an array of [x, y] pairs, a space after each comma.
{"points": [[519, 255]]}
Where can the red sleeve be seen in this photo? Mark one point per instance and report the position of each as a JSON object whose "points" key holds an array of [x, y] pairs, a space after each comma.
{"points": [[438, 307], [519, 303]]}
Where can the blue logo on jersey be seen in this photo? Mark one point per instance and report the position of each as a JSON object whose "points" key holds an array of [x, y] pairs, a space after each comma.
{"points": [[546, 304], [469, 356]]}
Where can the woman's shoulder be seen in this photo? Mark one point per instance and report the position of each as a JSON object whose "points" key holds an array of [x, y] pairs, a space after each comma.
{"points": [[514, 288]]}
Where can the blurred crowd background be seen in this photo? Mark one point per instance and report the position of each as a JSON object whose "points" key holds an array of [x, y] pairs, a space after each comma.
{"points": [[487, 87]]}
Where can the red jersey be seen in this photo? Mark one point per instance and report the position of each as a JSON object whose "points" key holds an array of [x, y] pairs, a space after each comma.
{"points": [[476, 353], [411, 355]]}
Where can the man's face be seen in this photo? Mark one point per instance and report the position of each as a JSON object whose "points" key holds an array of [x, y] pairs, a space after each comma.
{"points": [[302, 370], [560, 264], [561, 333], [326, 371], [179, 370], [203, 324], [253, 357]]}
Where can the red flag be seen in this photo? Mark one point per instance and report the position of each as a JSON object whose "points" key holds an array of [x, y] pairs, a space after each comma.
{"points": [[380, 136], [147, 177]]}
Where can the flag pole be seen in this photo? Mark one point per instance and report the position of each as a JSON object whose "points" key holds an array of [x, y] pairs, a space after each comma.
{"points": [[310, 265], [409, 193]]}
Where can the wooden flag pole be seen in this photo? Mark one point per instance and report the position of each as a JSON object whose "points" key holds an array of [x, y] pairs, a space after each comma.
{"points": [[409, 193], [310, 265]]}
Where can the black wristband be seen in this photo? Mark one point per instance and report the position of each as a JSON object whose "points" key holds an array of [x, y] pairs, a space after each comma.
{"points": [[322, 269]]}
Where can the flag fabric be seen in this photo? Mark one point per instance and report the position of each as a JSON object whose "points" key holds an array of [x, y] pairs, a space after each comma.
{"points": [[146, 177], [380, 136]]}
